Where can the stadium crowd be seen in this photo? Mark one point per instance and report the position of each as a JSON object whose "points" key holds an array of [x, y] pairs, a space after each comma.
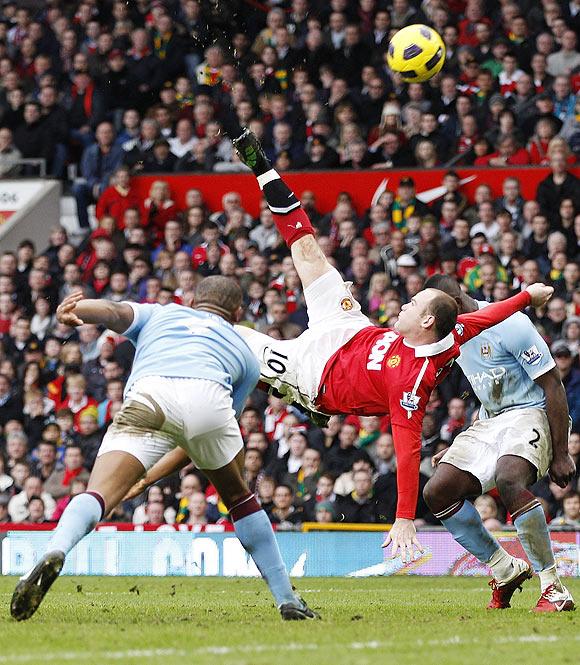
{"points": [[113, 89]]}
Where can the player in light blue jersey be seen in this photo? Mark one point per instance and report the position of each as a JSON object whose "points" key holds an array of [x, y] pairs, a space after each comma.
{"points": [[191, 377], [521, 434]]}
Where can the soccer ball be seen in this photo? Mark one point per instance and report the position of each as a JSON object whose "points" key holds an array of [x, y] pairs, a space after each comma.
{"points": [[417, 52]]}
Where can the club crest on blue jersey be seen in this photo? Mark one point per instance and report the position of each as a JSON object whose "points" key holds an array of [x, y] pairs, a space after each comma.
{"points": [[533, 355], [485, 350]]}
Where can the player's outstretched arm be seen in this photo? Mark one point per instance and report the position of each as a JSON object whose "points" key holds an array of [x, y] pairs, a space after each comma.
{"points": [[403, 535], [75, 310], [473, 323]]}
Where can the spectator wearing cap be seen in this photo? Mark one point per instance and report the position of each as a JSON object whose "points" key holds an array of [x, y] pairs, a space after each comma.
{"points": [[570, 376], [406, 204], [90, 435], [324, 512]]}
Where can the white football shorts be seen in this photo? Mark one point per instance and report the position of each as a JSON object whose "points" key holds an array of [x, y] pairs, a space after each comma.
{"points": [[522, 432], [160, 413], [294, 367]]}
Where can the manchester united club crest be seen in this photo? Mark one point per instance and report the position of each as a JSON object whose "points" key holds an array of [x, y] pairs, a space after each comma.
{"points": [[346, 304], [394, 361], [485, 351]]}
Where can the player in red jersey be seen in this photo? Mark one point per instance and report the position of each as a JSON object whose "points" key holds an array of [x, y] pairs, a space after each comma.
{"points": [[342, 364]]}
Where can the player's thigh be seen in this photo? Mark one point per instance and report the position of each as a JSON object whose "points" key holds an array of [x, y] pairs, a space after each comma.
{"points": [[525, 433], [309, 260], [276, 357], [329, 300], [476, 452], [113, 475], [217, 448], [448, 485], [211, 435]]}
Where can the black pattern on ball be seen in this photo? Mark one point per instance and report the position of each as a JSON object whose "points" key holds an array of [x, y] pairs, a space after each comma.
{"points": [[432, 62], [411, 51]]}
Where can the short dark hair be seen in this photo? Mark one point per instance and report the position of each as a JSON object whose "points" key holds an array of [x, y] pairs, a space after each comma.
{"points": [[444, 309], [444, 283], [219, 292]]}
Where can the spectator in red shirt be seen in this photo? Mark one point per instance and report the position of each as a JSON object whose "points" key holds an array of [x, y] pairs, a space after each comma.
{"points": [[158, 208], [118, 197], [508, 154]]}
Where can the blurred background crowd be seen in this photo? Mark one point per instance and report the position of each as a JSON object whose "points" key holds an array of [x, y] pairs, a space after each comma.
{"points": [[106, 90]]}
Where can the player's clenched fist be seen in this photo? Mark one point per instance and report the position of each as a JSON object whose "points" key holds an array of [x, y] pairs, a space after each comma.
{"points": [[540, 293], [65, 312]]}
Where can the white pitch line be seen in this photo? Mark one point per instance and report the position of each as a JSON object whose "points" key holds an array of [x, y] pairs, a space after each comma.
{"points": [[219, 650]]}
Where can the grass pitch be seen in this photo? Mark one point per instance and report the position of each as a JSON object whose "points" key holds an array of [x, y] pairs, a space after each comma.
{"points": [[389, 620]]}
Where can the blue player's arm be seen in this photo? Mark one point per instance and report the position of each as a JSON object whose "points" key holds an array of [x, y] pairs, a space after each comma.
{"points": [[562, 467], [75, 310], [526, 345], [244, 388]]}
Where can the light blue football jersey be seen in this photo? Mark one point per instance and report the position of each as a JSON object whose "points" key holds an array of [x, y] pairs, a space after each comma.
{"points": [[501, 364], [176, 341]]}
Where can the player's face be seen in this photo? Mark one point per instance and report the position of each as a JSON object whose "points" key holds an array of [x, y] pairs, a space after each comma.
{"points": [[413, 315]]}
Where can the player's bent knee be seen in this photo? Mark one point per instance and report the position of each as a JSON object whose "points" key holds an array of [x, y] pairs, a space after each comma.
{"points": [[436, 495]]}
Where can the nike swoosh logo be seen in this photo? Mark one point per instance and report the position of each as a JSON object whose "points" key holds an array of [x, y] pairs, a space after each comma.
{"points": [[560, 606]]}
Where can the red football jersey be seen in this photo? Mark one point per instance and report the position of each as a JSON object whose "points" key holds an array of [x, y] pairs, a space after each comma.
{"points": [[378, 372]]}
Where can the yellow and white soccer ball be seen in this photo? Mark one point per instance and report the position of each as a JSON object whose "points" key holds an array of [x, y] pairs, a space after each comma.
{"points": [[417, 52]]}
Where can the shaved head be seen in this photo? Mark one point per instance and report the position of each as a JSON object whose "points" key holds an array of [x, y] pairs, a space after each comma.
{"points": [[221, 295]]}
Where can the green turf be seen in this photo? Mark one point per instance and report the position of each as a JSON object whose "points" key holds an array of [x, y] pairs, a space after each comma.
{"points": [[391, 621]]}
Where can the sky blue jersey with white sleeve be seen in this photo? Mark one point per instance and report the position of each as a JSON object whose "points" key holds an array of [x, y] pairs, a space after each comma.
{"points": [[176, 341], [502, 363]]}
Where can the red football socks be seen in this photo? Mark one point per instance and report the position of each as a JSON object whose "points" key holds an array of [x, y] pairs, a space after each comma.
{"points": [[291, 221]]}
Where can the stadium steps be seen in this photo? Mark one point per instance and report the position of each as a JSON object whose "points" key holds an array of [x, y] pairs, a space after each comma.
{"points": [[70, 221]]}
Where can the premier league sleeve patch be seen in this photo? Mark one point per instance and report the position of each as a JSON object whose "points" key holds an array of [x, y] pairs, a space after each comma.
{"points": [[410, 402], [532, 356]]}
